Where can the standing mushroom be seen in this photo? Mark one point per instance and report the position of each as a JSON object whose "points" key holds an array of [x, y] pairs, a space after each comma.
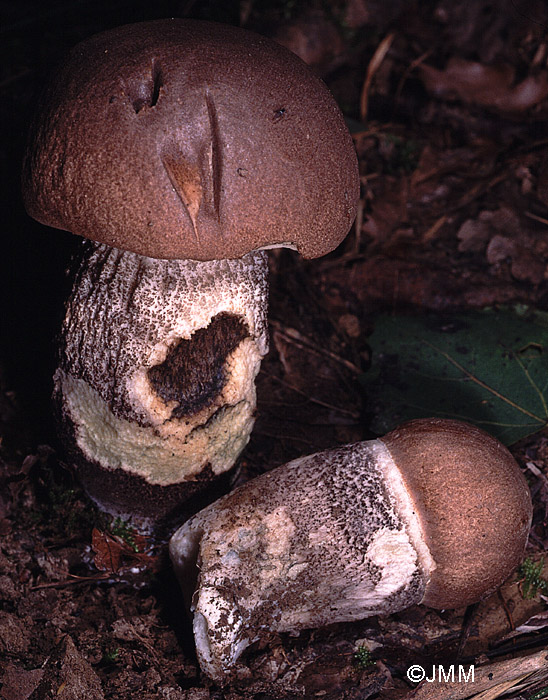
{"points": [[435, 512], [182, 150]]}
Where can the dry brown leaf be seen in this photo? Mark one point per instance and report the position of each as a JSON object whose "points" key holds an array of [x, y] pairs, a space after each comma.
{"points": [[314, 38], [500, 248], [114, 555], [533, 624], [496, 617], [486, 85], [108, 551], [389, 211]]}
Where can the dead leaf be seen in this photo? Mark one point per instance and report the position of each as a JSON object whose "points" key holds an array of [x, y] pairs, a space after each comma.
{"points": [[525, 265], [473, 236], [486, 85], [108, 551], [314, 38], [500, 248], [533, 624], [383, 282], [389, 211], [114, 555], [492, 623]]}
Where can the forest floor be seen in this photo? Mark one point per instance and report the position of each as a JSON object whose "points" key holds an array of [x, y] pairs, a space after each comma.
{"points": [[448, 105]]}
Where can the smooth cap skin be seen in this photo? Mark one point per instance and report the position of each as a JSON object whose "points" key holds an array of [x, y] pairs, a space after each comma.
{"points": [[186, 139], [476, 537]]}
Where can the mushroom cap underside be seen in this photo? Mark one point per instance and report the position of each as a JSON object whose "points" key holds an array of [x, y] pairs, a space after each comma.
{"points": [[187, 139]]}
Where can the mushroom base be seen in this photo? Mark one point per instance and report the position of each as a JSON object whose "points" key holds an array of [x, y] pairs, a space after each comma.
{"points": [[171, 471], [435, 512], [155, 387], [149, 508]]}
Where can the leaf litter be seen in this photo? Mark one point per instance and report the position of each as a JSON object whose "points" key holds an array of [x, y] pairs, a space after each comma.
{"points": [[453, 215]]}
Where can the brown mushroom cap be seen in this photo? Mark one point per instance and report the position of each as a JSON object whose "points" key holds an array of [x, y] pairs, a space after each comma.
{"points": [[476, 538], [188, 139]]}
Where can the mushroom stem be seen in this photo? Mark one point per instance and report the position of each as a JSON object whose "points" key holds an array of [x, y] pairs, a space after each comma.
{"points": [[316, 541], [157, 361], [344, 534]]}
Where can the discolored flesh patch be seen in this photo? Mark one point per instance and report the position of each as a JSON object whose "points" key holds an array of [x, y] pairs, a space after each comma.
{"points": [[194, 374], [151, 508], [128, 315], [173, 451]]}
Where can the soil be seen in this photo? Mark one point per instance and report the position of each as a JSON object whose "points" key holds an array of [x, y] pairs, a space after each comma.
{"points": [[448, 104]]}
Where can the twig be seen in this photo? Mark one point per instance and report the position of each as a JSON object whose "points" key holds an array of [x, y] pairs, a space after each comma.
{"points": [[428, 235], [540, 219], [374, 64], [532, 467], [298, 339], [73, 580], [506, 610], [469, 617], [352, 414], [15, 78], [410, 68], [477, 191]]}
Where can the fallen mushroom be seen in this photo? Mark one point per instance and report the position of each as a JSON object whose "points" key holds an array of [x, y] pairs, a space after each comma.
{"points": [[435, 512], [182, 149]]}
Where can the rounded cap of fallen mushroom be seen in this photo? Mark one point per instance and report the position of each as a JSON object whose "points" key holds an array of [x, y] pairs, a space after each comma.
{"points": [[186, 139], [475, 535]]}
